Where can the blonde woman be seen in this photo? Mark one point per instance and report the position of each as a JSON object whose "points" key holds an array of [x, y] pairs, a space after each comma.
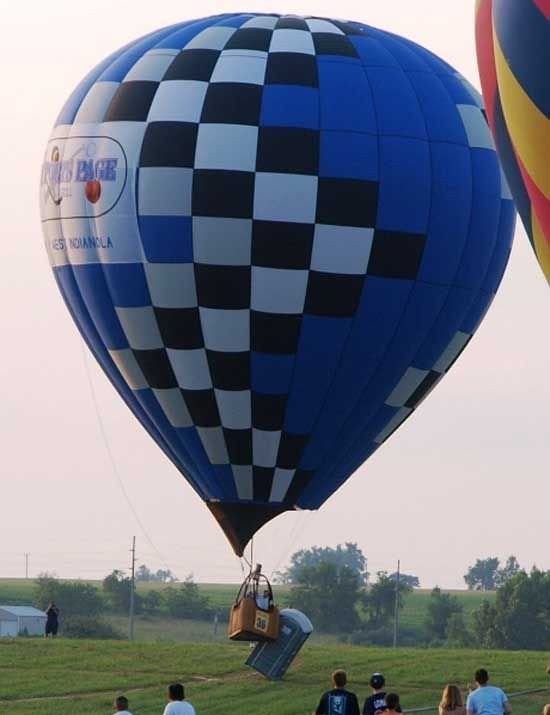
{"points": [[451, 701]]}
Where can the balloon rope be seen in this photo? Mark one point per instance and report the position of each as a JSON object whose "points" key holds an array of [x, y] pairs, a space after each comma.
{"points": [[111, 458]]}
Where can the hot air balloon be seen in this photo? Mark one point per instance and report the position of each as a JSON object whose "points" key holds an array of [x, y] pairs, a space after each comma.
{"points": [[276, 234], [513, 52]]}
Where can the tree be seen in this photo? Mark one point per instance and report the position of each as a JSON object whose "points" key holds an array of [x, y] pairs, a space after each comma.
{"points": [[379, 602], [457, 634], [483, 575], [72, 597], [144, 573], [407, 579], [508, 571], [329, 595], [186, 601], [520, 616], [349, 555], [484, 625], [441, 607], [151, 602], [117, 588]]}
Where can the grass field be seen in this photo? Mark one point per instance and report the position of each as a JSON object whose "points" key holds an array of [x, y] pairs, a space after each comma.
{"points": [[69, 677], [221, 596]]}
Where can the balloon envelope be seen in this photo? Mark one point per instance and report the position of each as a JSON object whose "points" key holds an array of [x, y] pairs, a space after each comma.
{"points": [[513, 50], [276, 234]]}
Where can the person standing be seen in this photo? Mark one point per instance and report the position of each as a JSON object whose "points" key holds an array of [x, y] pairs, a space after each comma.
{"points": [[338, 701], [375, 704], [121, 705], [52, 620], [451, 701], [177, 704], [486, 699]]}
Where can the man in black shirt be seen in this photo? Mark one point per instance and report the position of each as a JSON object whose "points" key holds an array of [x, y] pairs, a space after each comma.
{"points": [[376, 703], [338, 701]]}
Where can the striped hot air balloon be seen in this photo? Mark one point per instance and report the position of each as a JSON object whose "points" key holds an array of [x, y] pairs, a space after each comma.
{"points": [[513, 52]]}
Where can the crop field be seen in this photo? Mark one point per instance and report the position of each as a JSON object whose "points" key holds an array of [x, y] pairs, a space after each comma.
{"points": [[79, 677]]}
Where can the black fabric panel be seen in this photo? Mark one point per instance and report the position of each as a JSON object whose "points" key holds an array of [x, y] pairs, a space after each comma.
{"points": [[292, 68], [131, 102], [226, 287], [180, 328], [239, 445], [288, 150], [229, 371], [268, 411], [156, 368], [169, 144], [223, 193], [395, 254], [271, 333], [333, 295], [291, 448], [347, 202], [202, 407], [277, 244], [195, 64], [232, 103]]}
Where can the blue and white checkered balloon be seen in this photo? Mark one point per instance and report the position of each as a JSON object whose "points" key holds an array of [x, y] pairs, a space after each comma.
{"points": [[276, 234]]}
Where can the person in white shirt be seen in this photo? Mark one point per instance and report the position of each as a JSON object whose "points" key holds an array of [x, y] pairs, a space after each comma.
{"points": [[178, 705], [262, 601], [121, 706]]}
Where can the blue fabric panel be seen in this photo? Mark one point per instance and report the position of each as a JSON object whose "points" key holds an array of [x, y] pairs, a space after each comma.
{"points": [[405, 183], [522, 32], [479, 247], [290, 106], [486, 172], [447, 324], [443, 122], [118, 69], [127, 284], [503, 246], [449, 213], [397, 109], [423, 307], [382, 304], [97, 299], [457, 90], [346, 99], [372, 52], [319, 350], [69, 290], [477, 312], [271, 374], [348, 155], [403, 50], [225, 482], [234, 21], [191, 439], [167, 239], [71, 106], [434, 63]]}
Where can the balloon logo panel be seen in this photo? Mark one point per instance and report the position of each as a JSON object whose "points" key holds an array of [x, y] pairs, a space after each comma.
{"points": [[513, 48], [311, 225]]}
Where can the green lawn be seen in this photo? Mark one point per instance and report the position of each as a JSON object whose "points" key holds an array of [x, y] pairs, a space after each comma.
{"points": [[70, 677]]}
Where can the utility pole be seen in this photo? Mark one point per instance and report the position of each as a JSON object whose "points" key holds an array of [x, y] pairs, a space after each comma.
{"points": [[396, 611], [132, 591], [27, 565]]}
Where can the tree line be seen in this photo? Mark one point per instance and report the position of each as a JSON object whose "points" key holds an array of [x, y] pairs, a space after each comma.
{"points": [[334, 588], [84, 606]]}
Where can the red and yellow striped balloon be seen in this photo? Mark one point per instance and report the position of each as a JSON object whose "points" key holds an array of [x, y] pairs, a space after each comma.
{"points": [[513, 52]]}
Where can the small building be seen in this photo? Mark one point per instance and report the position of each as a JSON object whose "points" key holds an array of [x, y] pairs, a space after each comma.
{"points": [[15, 620]]}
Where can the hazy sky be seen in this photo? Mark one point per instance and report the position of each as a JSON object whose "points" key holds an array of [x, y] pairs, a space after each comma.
{"points": [[466, 477]]}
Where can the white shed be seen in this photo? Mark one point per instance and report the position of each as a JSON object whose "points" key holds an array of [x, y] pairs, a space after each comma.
{"points": [[15, 620]]}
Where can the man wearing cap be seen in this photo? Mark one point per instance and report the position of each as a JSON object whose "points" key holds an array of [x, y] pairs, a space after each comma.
{"points": [[375, 704]]}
